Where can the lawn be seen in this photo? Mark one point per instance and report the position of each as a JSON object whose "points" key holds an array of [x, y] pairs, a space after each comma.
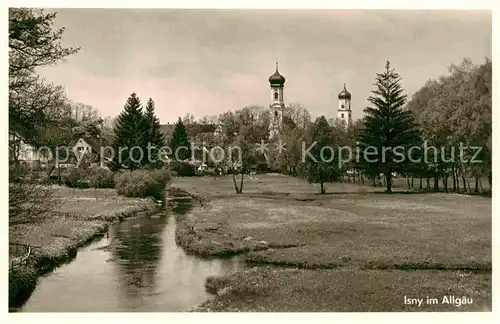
{"points": [[348, 290], [282, 221], [263, 185]]}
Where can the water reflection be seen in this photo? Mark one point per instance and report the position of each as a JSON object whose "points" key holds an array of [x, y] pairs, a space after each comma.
{"points": [[138, 267], [137, 248]]}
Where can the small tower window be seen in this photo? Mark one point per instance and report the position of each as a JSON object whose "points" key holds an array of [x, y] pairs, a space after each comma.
{"points": [[343, 106], [276, 95], [342, 115], [276, 114]]}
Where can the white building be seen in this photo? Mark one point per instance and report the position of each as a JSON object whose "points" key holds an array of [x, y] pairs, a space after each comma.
{"points": [[84, 145], [25, 152], [277, 105]]}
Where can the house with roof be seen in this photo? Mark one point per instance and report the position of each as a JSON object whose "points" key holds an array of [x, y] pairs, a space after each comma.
{"points": [[91, 146]]}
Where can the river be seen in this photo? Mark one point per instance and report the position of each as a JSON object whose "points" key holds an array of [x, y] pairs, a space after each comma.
{"points": [[137, 266]]}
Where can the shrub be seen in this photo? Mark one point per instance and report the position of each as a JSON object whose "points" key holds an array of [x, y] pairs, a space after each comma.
{"points": [[262, 168], [142, 183], [75, 178], [184, 169], [18, 172], [209, 172], [101, 178]]}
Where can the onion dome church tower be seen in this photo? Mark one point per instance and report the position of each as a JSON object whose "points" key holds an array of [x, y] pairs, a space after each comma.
{"points": [[344, 109], [277, 105]]}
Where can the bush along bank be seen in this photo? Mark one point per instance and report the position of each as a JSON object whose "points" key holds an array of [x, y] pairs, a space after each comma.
{"points": [[74, 177], [143, 183], [43, 259]]}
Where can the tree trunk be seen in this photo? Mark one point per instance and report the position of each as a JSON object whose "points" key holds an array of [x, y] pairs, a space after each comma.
{"points": [[436, 183], [480, 187], [362, 178], [454, 179], [428, 183], [388, 182], [374, 181], [235, 184], [464, 179], [467, 181], [241, 182], [412, 178], [322, 187], [445, 183], [408, 181], [476, 185], [50, 168], [420, 186], [490, 180]]}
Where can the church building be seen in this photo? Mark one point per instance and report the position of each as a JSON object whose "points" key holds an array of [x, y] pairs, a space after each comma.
{"points": [[344, 109], [277, 106]]}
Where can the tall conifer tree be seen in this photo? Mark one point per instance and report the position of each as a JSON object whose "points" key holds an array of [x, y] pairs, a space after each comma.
{"points": [[154, 136], [387, 126], [180, 142], [130, 136]]}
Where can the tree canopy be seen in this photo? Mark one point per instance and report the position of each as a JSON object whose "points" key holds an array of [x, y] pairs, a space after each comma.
{"points": [[34, 42]]}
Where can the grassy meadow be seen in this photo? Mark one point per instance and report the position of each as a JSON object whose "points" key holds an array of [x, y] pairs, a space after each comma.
{"points": [[437, 243]]}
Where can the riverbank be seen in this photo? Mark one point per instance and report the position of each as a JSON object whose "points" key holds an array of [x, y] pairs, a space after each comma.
{"points": [[205, 238], [80, 216], [439, 243], [271, 289]]}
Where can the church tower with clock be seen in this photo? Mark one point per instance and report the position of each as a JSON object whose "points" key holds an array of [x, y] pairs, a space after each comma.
{"points": [[277, 106]]}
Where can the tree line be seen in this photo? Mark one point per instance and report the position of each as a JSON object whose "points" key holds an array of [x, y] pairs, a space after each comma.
{"points": [[446, 113], [456, 109]]}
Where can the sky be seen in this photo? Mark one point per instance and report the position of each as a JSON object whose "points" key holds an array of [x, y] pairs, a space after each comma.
{"points": [[206, 62]]}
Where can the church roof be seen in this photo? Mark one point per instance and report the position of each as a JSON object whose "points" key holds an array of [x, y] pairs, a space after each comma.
{"points": [[277, 78], [344, 94]]}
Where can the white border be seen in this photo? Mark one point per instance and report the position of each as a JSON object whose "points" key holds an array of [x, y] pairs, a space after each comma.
{"points": [[252, 317], [259, 4]]}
